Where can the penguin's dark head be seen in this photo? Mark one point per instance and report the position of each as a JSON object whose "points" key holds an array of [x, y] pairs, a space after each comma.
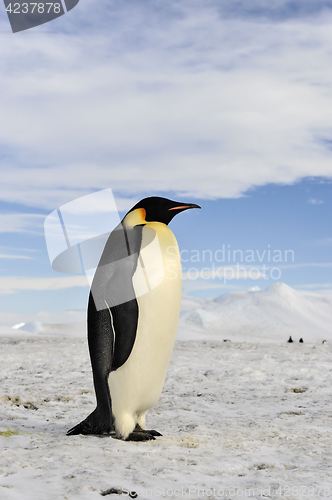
{"points": [[160, 209]]}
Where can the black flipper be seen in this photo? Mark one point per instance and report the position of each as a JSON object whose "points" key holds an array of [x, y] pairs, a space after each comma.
{"points": [[112, 288], [112, 322]]}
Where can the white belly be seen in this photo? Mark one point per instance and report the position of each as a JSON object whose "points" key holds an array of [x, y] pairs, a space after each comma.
{"points": [[136, 386]]}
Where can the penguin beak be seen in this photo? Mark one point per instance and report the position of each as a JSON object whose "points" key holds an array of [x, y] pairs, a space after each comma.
{"points": [[185, 207]]}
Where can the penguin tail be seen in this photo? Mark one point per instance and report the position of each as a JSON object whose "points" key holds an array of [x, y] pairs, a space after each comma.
{"points": [[95, 423]]}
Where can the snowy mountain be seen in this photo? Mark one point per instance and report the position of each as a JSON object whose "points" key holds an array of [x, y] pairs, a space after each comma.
{"points": [[259, 315], [32, 327]]}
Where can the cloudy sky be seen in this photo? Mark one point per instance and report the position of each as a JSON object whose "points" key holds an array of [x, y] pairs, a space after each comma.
{"points": [[223, 103]]}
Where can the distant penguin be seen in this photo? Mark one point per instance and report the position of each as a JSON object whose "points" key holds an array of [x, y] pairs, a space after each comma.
{"points": [[301, 340], [290, 340], [324, 342], [133, 313]]}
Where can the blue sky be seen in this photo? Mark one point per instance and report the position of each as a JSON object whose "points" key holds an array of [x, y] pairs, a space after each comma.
{"points": [[226, 104]]}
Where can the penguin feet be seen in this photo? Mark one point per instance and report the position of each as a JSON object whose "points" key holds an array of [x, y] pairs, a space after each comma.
{"points": [[96, 423], [140, 434], [138, 428], [153, 433]]}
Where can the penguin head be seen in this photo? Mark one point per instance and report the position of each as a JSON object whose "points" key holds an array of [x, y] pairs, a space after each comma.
{"points": [[156, 209]]}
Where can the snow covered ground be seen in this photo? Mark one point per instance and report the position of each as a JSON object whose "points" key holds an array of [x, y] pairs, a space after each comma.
{"points": [[239, 419]]}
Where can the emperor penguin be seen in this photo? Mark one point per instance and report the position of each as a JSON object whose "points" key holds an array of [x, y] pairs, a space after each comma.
{"points": [[133, 314]]}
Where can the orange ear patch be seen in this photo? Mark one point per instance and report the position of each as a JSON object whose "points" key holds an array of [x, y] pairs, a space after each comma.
{"points": [[142, 213], [135, 217]]}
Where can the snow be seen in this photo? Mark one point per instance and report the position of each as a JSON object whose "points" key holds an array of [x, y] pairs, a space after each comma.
{"points": [[234, 415]]}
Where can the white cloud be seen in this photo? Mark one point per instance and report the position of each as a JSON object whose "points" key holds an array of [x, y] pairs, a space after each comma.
{"points": [[5, 256], [13, 284], [324, 242], [28, 223], [315, 286], [196, 286], [308, 264], [7, 248], [315, 202], [193, 102], [225, 273]]}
